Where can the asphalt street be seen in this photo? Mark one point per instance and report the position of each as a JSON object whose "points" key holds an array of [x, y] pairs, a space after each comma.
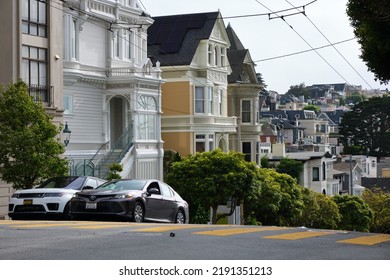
{"points": [[87, 240]]}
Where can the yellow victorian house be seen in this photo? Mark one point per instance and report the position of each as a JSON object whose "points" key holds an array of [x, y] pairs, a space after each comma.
{"points": [[191, 50]]}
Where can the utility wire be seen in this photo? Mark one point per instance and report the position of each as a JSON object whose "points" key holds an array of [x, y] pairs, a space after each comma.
{"points": [[305, 51], [292, 28], [332, 45]]}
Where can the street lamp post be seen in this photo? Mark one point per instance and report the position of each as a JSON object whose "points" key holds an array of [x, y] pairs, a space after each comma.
{"points": [[66, 133]]}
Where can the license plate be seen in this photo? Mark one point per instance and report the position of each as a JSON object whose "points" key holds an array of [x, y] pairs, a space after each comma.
{"points": [[27, 202], [90, 205]]}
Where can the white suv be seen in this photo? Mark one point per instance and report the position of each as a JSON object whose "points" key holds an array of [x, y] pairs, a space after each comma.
{"points": [[50, 198]]}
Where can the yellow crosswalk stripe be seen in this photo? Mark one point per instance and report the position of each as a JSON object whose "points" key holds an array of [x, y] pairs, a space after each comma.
{"points": [[46, 225], [170, 228], [233, 231], [19, 222], [108, 225], [368, 240], [298, 235]]}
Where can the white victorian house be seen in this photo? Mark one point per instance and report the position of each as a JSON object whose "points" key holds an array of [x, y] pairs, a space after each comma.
{"points": [[112, 92]]}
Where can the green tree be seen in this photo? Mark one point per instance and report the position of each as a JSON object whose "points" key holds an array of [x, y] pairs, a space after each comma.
{"points": [[274, 199], [264, 162], [210, 179], [355, 213], [114, 170], [312, 107], [170, 156], [342, 101], [29, 148], [356, 97], [368, 126], [379, 202], [291, 167], [371, 23], [320, 211], [299, 90]]}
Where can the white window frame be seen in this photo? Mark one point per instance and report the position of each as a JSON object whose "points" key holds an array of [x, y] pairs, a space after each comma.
{"points": [[68, 104], [147, 119], [116, 49], [210, 54], [206, 139], [210, 100], [220, 92], [129, 42], [216, 55], [199, 100], [71, 38], [247, 154], [248, 114], [223, 57]]}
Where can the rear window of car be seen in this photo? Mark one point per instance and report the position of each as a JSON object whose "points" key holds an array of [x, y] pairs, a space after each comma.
{"points": [[130, 185], [74, 183]]}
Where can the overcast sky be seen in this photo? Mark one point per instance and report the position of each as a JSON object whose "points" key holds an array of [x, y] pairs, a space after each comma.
{"points": [[325, 22]]}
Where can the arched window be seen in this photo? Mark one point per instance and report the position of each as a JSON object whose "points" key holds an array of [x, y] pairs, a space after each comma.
{"points": [[147, 118]]}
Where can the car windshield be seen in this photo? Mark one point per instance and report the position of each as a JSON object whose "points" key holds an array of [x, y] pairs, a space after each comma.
{"points": [[125, 185], [74, 183]]}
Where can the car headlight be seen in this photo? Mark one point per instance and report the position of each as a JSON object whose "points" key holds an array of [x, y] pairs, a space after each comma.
{"points": [[53, 194], [126, 195], [76, 195], [15, 195]]}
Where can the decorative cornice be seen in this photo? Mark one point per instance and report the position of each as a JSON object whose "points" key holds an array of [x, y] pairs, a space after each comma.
{"points": [[101, 8], [217, 76], [121, 85]]}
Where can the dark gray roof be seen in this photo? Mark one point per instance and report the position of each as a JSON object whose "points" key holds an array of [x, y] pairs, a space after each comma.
{"points": [[286, 123], [372, 183], [173, 40], [235, 42], [275, 114], [236, 56], [236, 59], [291, 115], [335, 116]]}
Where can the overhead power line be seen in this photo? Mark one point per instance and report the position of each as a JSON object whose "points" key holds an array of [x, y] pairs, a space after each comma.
{"points": [[296, 32], [333, 45], [305, 51]]}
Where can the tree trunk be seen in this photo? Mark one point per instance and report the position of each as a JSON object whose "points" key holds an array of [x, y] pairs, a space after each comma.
{"points": [[214, 217]]}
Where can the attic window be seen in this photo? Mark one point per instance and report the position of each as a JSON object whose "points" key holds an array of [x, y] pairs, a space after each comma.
{"points": [[245, 77]]}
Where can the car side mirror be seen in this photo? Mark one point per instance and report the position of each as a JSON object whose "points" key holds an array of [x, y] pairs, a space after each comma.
{"points": [[153, 191], [87, 188]]}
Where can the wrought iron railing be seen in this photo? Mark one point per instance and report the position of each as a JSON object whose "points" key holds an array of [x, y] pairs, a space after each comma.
{"points": [[41, 93], [101, 168], [117, 152]]}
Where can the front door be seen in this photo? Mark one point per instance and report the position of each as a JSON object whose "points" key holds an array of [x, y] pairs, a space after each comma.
{"points": [[117, 120]]}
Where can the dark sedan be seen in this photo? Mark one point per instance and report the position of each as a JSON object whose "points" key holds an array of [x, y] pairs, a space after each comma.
{"points": [[134, 200]]}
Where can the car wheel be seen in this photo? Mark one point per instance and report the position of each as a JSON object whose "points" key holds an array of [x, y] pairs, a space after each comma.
{"points": [[138, 213], [180, 217], [65, 214]]}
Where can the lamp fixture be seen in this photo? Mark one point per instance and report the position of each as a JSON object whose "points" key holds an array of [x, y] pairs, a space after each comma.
{"points": [[66, 133]]}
